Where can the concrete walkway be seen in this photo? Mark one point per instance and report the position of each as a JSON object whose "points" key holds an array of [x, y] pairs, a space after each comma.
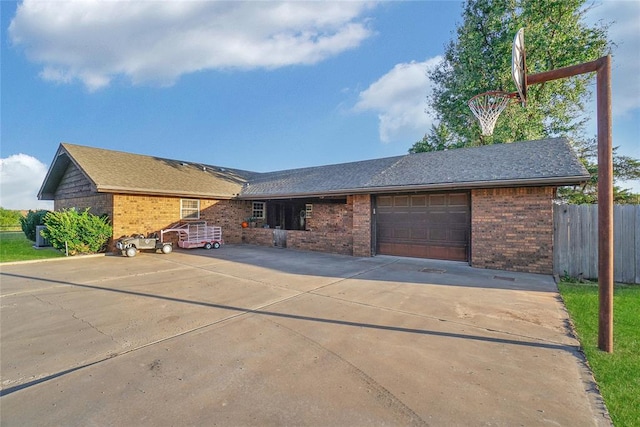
{"points": [[246, 335]]}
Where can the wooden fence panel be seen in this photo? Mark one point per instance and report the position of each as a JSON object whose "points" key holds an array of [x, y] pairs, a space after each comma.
{"points": [[575, 246]]}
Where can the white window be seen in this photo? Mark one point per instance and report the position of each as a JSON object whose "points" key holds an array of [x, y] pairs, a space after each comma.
{"points": [[258, 210], [189, 209]]}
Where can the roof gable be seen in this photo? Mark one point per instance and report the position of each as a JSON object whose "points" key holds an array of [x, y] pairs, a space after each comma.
{"points": [[116, 171]]}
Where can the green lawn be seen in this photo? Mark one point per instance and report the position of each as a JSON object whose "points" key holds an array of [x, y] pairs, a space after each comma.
{"points": [[617, 374], [14, 246]]}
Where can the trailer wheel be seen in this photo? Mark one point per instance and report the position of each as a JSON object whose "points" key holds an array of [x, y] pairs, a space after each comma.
{"points": [[208, 245], [216, 245], [131, 251], [167, 249]]}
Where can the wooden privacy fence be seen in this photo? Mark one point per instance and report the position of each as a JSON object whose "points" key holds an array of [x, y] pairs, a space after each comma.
{"points": [[575, 241]]}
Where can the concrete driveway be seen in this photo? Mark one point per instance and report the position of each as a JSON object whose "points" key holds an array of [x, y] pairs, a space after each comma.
{"points": [[246, 335]]}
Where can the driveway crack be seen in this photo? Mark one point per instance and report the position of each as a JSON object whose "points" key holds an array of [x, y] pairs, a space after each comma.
{"points": [[383, 395], [75, 316]]}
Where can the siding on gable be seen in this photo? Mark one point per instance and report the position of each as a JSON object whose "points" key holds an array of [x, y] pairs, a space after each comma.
{"points": [[73, 184], [98, 204]]}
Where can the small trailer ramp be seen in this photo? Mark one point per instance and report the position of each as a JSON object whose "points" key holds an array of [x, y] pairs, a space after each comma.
{"points": [[196, 235]]}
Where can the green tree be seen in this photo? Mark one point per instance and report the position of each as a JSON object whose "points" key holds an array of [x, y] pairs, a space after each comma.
{"points": [[30, 221], [480, 60], [438, 140], [625, 168]]}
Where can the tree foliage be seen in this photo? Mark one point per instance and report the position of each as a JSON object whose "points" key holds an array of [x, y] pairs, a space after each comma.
{"points": [[625, 168], [480, 60], [79, 232], [30, 221]]}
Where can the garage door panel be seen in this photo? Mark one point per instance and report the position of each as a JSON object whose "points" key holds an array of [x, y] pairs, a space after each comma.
{"points": [[459, 199], [419, 233], [458, 218], [402, 233], [438, 217], [438, 234], [424, 225], [384, 201], [437, 200], [401, 201], [459, 236]]}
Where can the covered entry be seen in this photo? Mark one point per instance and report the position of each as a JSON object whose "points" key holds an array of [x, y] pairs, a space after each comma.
{"points": [[424, 225]]}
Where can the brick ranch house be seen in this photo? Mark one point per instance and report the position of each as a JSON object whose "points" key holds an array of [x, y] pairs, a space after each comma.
{"points": [[490, 206]]}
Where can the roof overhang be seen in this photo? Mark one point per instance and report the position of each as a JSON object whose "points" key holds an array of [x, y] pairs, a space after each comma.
{"points": [[446, 186], [155, 192]]}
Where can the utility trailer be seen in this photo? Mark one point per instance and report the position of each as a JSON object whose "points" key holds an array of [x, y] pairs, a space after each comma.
{"points": [[196, 235]]}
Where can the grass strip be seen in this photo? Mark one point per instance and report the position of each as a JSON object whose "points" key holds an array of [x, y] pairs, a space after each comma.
{"points": [[14, 246], [617, 374]]}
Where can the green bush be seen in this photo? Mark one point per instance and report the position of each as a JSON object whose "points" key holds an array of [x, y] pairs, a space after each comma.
{"points": [[30, 221], [81, 231]]}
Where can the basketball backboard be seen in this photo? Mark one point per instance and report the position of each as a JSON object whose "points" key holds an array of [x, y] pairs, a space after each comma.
{"points": [[519, 66]]}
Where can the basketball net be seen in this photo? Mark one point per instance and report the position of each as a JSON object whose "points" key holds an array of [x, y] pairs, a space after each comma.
{"points": [[487, 107]]}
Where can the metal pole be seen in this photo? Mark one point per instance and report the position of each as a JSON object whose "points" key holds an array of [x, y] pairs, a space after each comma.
{"points": [[605, 207], [602, 67]]}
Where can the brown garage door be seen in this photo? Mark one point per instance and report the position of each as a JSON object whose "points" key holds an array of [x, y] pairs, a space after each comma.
{"points": [[426, 225]]}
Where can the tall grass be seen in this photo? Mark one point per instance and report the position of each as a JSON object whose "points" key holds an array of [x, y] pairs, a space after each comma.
{"points": [[617, 374]]}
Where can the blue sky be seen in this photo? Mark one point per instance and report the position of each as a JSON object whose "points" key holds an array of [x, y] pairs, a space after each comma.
{"points": [[259, 86]]}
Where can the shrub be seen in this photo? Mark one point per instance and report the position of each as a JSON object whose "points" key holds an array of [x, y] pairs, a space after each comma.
{"points": [[81, 231], [31, 221]]}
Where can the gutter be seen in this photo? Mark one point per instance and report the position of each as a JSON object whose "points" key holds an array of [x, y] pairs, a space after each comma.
{"points": [[118, 190]]}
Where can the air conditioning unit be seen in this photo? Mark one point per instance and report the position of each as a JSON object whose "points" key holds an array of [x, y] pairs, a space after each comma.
{"points": [[41, 242]]}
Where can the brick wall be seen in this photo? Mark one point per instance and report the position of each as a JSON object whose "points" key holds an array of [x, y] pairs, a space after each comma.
{"points": [[146, 214], [228, 214], [512, 229], [361, 225], [329, 229], [258, 236], [331, 217], [321, 241]]}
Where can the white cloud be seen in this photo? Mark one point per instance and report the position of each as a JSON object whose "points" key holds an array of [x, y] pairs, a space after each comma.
{"points": [[400, 99], [156, 42], [20, 179], [624, 16]]}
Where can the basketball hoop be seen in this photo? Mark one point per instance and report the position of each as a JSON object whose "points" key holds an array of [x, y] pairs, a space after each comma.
{"points": [[487, 107]]}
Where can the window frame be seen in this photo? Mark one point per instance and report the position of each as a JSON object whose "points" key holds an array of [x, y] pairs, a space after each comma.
{"points": [[190, 211], [262, 209]]}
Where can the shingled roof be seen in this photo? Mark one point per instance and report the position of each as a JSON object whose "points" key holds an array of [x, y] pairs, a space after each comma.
{"points": [[541, 162], [118, 172]]}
